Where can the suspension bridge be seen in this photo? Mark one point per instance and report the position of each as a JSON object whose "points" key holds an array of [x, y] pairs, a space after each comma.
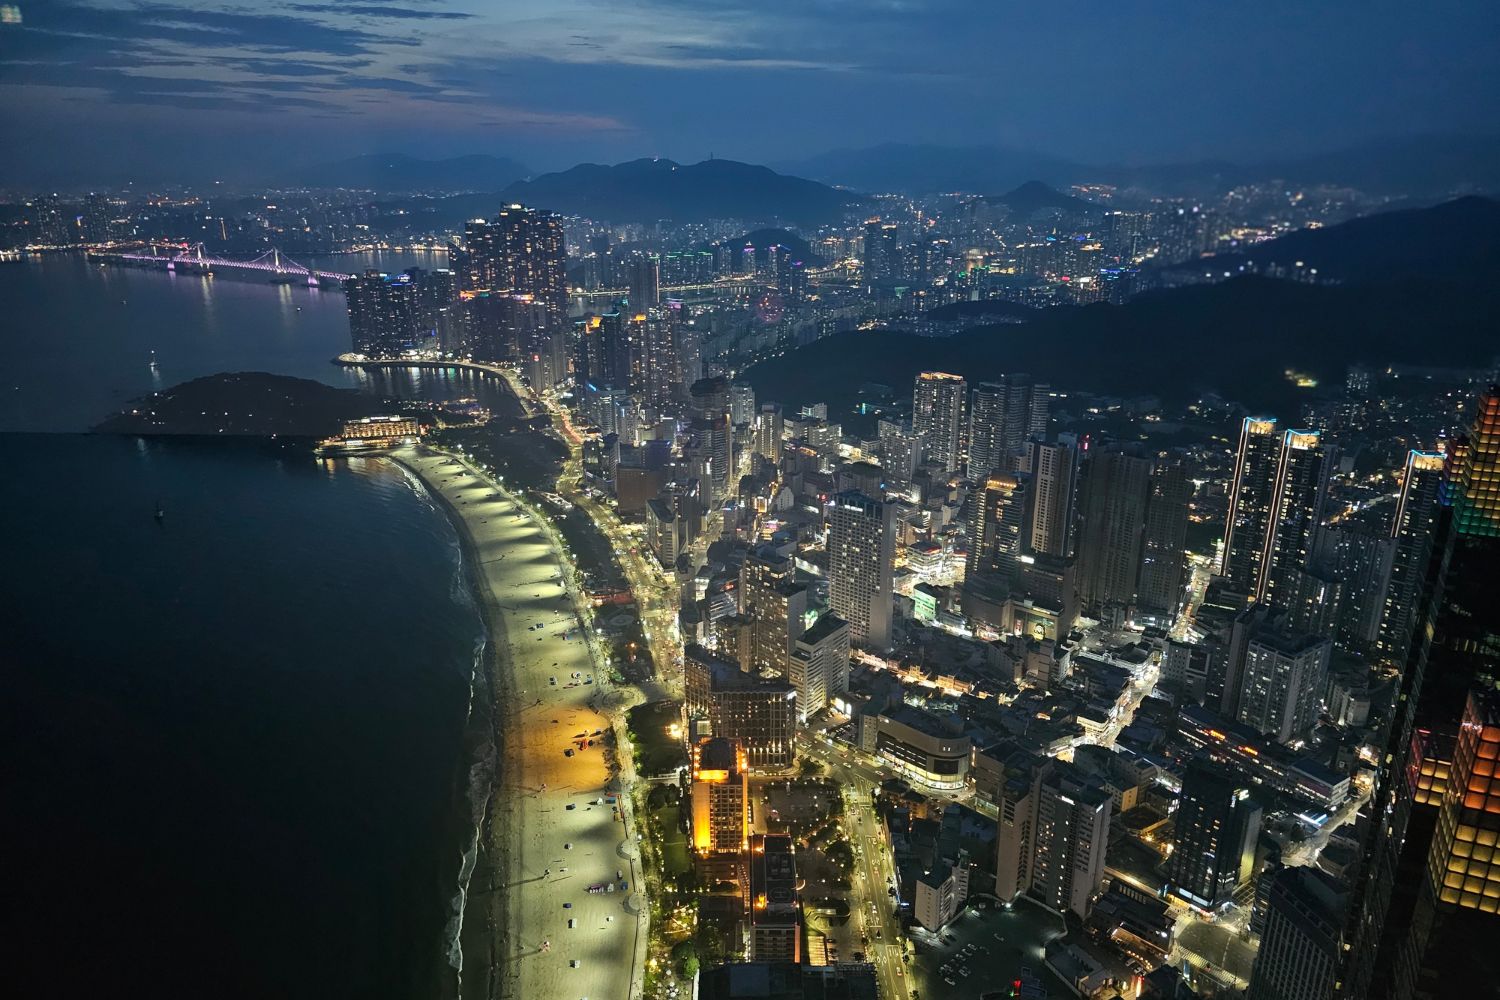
{"points": [[192, 258]]}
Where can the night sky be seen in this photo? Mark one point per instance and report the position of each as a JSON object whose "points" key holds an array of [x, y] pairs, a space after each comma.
{"points": [[168, 88]]}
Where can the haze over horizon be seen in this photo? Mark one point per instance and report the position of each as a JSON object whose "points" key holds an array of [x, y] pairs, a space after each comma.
{"points": [[288, 83]]}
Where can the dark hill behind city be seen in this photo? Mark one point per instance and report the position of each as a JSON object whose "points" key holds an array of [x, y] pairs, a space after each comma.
{"points": [[648, 190], [1237, 338]]}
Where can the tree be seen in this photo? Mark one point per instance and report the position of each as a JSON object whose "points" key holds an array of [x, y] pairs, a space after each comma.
{"points": [[809, 767], [685, 957]]}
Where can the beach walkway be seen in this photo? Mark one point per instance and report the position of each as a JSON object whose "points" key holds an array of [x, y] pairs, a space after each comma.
{"points": [[554, 833]]}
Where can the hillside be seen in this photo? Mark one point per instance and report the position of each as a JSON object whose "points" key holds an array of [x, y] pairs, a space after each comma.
{"points": [[649, 190], [1235, 338], [239, 404], [390, 172], [763, 239], [1458, 239], [1034, 196]]}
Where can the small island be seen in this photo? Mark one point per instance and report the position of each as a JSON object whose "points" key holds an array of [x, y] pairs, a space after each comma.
{"points": [[244, 404]]}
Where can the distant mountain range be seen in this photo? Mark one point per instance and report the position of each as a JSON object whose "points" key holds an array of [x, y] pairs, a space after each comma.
{"points": [[648, 190], [1421, 166], [396, 172], [1236, 338]]}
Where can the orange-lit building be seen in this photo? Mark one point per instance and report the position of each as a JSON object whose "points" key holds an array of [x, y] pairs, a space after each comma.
{"points": [[721, 797]]}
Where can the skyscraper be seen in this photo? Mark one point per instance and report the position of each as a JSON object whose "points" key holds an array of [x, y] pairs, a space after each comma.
{"points": [[1252, 494], [1005, 414], [720, 797], [1164, 544], [385, 315], [712, 448], [938, 417], [996, 531], [775, 606], [819, 668], [645, 281], [1054, 830], [775, 911], [1116, 490], [1301, 484], [1413, 530], [1408, 934], [1054, 480], [861, 565], [520, 251], [1300, 949], [1216, 827]]}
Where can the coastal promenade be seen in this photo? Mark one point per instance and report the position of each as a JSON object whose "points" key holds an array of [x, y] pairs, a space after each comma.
{"points": [[552, 834], [360, 361]]}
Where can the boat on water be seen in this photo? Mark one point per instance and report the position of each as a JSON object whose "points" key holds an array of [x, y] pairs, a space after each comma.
{"points": [[161, 514], [152, 363]]}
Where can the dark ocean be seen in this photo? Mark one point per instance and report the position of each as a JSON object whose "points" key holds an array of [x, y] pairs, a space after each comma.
{"points": [[233, 740]]}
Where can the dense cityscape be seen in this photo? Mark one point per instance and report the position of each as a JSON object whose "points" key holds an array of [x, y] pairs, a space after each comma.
{"points": [[1088, 589]]}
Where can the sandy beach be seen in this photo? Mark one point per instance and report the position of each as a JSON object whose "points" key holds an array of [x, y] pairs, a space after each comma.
{"points": [[552, 834]]}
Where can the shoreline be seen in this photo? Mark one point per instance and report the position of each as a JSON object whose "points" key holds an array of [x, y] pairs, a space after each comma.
{"points": [[551, 741]]}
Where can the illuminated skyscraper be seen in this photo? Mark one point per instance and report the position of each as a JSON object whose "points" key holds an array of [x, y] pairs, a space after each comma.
{"points": [[1425, 913], [385, 314], [1413, 530], [1216, 828], [938, 417], [861, 566], [819, 668], [721, 797], [1252, 495], [1301, 485], [996, 532], [520, 251], [1005, 414], [1054, 481]]}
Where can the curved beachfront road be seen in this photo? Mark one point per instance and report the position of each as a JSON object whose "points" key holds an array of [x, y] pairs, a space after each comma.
{"points": [[556, 834]]}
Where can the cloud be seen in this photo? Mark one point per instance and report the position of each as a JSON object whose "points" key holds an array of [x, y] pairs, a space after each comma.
{"points": [[401, 13]]}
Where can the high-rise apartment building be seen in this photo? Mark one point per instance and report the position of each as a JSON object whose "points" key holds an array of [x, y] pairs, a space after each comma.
{"points": [[1274, 676], [1275, 504], [1054, 482], [1215, 831], [520, 251], [861, 567], [1115, 494], [1053, 836], [1160, 589], [1005, 414], [819, 666], [644, 271], [1252, 495], [996, 531], [938, 417], [720, 797], [1296, 509], [385, 318], [712, 446], [1413, 529]]}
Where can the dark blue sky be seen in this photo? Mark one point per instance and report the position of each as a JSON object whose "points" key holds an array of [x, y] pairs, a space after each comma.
{"points": [[153, 86]]}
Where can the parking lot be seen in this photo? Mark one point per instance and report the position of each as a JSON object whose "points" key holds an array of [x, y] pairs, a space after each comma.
{"points": [[994, 946]]}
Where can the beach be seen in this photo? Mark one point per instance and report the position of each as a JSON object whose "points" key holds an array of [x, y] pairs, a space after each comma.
{"points": [[551, 832]]}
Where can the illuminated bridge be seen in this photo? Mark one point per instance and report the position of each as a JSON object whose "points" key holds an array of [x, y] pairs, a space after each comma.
{"points": [[192, 257]]}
